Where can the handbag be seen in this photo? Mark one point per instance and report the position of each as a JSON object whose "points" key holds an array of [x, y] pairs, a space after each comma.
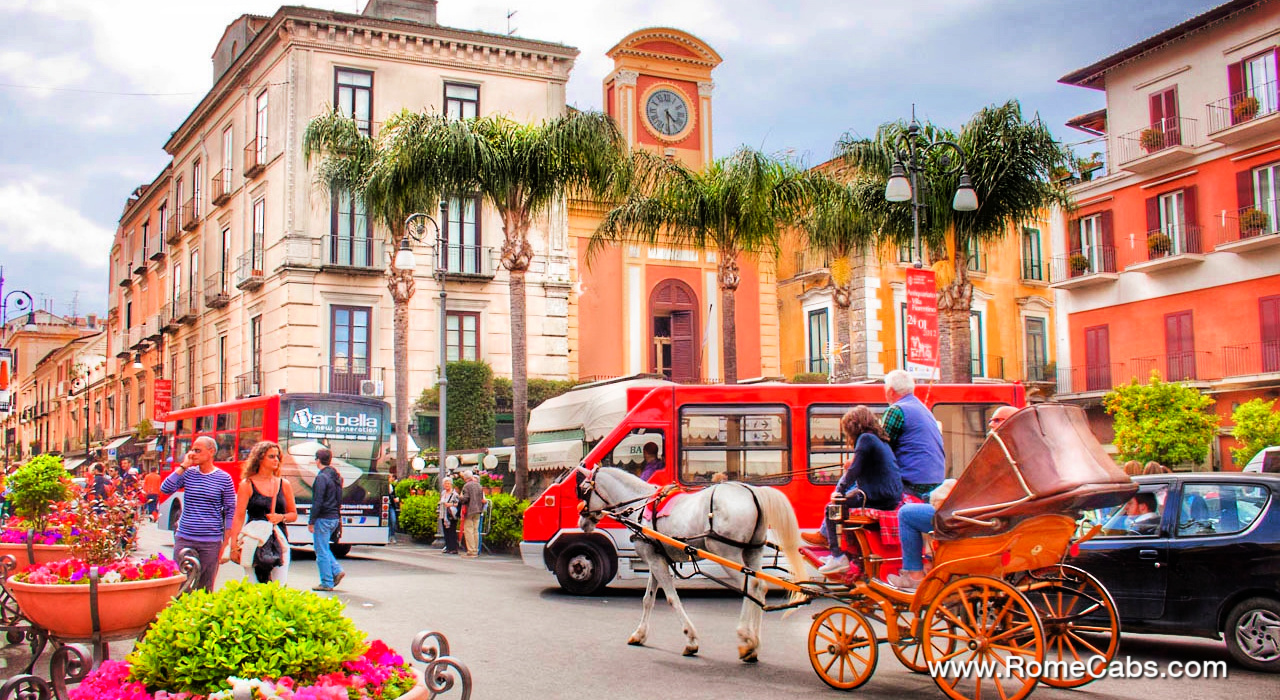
{"points": [[335, 537], [269, 555]]}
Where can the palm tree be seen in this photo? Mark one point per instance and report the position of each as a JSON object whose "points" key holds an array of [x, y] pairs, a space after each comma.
{"points": [[522, 170], [1009, 160], [737, 205]]}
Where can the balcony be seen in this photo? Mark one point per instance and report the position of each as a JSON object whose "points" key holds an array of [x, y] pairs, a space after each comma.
{"points": [[987, 367], [181, 401], [216, 293], [126, 273], [810, 262], [255, 157], [119, 341], [1245, 115], [249, 384], [1188, 366], [812, 365], [152, 329], [1166, 144], [186, 307], [1045, 373], [191, 214], [215, 393], [354, 378], [356, 255], [1250, 229], [1251, 359], [1096, 378], [136, 339], [173, 230], [156, 246], [249, 271], [140, 264], [1171, 247], [169, 319], [1084, 268], [222, 187]]}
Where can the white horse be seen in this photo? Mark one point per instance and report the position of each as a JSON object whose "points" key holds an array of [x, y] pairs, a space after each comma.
{"points": [[730, 520]]}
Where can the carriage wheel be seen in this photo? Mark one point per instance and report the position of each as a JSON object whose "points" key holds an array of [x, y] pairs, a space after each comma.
{"points": [[999, 646], [842, 648], [911, 653], [1080, 624]]}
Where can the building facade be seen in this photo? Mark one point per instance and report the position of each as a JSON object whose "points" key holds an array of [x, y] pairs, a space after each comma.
{"points": [[1171, 262]]}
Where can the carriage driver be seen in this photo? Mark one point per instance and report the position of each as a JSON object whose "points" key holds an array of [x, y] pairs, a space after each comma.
{"points": [[914, 436]]}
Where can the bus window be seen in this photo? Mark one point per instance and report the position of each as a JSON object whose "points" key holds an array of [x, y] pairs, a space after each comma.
{"points": [[225, 421], [202, 424], [629, 452], [748, 443], [251, 418], [248, 438], [964, 428], [183, 446], [828, 452], [226, 447], [182, 425]]}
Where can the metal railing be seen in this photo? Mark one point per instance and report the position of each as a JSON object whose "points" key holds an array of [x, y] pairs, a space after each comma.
{"points": [[216, 392], [987, 366], [1250, 222], [249, 384], [1159, 136], [125, 273], [221, 187], [1246, 359], [475, 261], [1190, 365], [249, 274], [812, 365], [1080, 263], [255, 156], [350, 377], [191, 214], [1243, 107], [216, 292], [181, 401], [1035, 271], [119, 344], [173, 232], [156, 246], [152, 329], [185, 307], [135, 337], [354, 252], [1039, 373], [810, 260], [1177, 239], [1094, 377], [140, 262]]}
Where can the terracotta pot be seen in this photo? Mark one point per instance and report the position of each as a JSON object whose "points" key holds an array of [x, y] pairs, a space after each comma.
{"points": [[124, 609], [45, 553]]}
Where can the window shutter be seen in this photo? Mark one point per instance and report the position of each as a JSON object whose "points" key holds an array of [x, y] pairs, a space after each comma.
{"points": [[1235, 82], [682, 361], [1269, 317], [1191, 227], [1244, 189], [1108, 242], [1073, 236], [1157, 109], [1153, 213]]}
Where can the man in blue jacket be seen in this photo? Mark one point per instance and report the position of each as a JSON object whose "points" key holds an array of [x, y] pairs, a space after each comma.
{"points": [[914, 436], [325, 517]]}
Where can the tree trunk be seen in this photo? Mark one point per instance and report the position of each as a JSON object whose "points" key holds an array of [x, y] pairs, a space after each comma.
{"points": [[954, 303], [843, 370], [516, 256], [401, 285], [729, 279]]}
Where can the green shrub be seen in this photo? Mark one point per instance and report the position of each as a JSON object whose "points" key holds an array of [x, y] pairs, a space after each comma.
{"points": [[471, 406], [543, 389], [506, 521], [248, 630], [809, 378], [418, 515], [1164, 422], [1257, 425], [36, 486]]}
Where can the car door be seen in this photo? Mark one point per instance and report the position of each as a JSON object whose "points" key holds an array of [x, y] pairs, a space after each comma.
{"points": [[1132, 560]]}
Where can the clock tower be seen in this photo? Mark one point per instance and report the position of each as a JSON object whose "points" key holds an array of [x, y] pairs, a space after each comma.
{"points": [[660, 93]]}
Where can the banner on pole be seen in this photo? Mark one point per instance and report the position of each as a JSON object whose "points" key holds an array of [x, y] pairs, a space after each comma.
{"points": [[162, 402], [6, 379], [922, 321]]}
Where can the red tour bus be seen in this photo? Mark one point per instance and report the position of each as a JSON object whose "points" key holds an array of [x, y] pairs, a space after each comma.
{"points": [[781, 435], [356, 429]]}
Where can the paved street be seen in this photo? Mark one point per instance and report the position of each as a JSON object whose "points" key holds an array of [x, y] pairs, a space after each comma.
{"points": [[521, 637]]}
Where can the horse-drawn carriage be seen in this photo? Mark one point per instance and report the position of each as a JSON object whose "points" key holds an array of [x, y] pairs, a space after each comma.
{"points": [[999, 612]]}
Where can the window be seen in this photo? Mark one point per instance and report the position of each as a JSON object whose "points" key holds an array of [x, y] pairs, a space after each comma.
{"points": [[461, 101], [1219, 509], [977, 260], [1164, 118], [146, 241], [179, 189], [353, 96], [462, 235], [258, 241], [1259, 75], [227, 155], [197, 182], [1180, 347], [351, 244], [1097, 358], [1269, 320], [462, 336], [977, 348], [819, 341], [748, 443], [222, 368], [1037, 344], [260, 129], [191, 370], [227, 260], [349, 348], [177, 291], [828, 451], [255, 346], [193, 276], [1089, 236], [1266, 195], [128, 314], [1032, 264], [1140, 516], [1172, 213], [164, 221]]}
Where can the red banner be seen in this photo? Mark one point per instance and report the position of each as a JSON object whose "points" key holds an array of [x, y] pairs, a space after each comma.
{"points": [[162, 401], [922, 318]]}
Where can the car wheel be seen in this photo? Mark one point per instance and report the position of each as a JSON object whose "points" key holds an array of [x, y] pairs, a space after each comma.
{"points": [[1253, 634], [583, 569]]}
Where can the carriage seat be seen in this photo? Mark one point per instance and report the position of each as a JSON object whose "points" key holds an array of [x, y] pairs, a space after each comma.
{"points": [[880, 526]]}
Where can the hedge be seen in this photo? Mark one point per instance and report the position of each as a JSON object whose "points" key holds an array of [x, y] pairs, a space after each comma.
{"points": [[472, 419], [506, 521], [418, 515]]}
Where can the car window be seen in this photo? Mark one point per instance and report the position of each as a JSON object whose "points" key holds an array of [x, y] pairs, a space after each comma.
{"points": [[1134, 518], [1219, 509]]}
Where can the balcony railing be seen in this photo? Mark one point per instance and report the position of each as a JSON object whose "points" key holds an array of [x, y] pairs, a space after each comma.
{"points": [[474, 261], [255, 156], [353, 254], [249, 273], [221, 187], [140, 263], [156, 246], [987, 366], [168, 319], [173, 232], [135, 337], [1178, 239], [1035, 271], [1253, 225], [181, 401], [1081, 263], [1090, 378], [1190, 365], [1248, 359], [120, 343], [810, 260], [215, 393], [185, 308], [1243, 107], [1163, 134], [126, 273], [354, 378], [152, 329], [812, 365], [1039, 373], [249, 384], [216, 292]]}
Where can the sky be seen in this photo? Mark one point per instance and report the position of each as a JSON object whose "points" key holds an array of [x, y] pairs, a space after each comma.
{"points": [[91, 89]]}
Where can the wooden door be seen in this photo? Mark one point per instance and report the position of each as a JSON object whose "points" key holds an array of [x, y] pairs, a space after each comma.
{"points": [[1179, 342], [1269, 313], [1097, 358]]}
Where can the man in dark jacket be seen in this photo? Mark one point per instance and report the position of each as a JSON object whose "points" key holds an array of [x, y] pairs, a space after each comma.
{"points": [[325, 518]]}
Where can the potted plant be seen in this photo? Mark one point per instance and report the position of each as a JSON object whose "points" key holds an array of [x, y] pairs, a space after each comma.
{"points": [[1252, 222], [42, 527], [1058, 173], [1086, 166], [1151, 139], [1158, 244], [1079, 263], [1245, 109]]}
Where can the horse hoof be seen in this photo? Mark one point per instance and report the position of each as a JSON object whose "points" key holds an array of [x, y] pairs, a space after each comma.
{"points": [[636, 640], [748, 656], [691, 651]]}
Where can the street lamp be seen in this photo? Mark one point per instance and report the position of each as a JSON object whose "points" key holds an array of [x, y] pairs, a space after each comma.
{"points": [[908, 153]]}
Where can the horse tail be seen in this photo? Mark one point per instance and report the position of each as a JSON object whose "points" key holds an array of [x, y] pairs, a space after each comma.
{"points": [[781, 517]]}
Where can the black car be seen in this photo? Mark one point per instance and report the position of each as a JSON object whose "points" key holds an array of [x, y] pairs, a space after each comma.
{"points": [[1204, 563]]}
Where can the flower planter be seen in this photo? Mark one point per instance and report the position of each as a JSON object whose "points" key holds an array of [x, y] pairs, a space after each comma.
{"points": [[124, 609], [45, 553]]}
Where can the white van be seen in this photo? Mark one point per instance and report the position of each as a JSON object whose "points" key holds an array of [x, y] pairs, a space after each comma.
{"points": [[1268, 460]]}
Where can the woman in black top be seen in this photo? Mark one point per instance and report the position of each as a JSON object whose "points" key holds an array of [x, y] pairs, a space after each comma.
{"points": [[873, 471], [261, 481]]}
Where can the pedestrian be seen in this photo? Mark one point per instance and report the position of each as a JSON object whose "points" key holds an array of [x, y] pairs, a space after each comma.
{"points": [[326, 519], [101, 484], [151, 487], [914, 436], [472, 510], [208, 507], [1154, 467], [266, 499], [449, 504]]}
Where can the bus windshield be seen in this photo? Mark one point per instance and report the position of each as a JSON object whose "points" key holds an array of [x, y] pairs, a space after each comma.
{"points": [[357, 433]]}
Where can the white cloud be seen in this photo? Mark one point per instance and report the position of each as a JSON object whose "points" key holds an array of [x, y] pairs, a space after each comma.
{"points": [[35, 221], [55, 71]]}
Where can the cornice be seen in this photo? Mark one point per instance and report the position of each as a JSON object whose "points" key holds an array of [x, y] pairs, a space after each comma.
{"points": [[706, 56]]}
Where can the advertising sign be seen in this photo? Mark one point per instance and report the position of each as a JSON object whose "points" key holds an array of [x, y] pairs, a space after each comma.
{"points": [[922, 322], [163, 401], [6, 379], [322, 421]]}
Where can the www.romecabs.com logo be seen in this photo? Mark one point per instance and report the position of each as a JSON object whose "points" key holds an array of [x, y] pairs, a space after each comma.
{"points": [[307, 419]]}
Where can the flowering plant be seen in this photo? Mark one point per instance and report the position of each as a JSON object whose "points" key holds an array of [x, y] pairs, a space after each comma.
{"points": [[76, 571], [60, 527], [377, 674]]}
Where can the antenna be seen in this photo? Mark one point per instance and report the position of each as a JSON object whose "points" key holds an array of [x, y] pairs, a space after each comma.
{"points": [[75, 304], [510, 29]]}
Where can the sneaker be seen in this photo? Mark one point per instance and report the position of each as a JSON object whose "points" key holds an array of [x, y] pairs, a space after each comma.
{"points": [[337, 578], [322, 587], [814, 538], [902, 582], [836, 565]]}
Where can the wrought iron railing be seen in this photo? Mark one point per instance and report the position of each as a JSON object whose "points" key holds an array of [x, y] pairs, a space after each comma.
{"points": [[1243, 107], [1159, 136], [1175, 239], [1083, 262]]}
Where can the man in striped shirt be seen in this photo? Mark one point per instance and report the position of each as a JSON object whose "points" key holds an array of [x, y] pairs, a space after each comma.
{"points": [[208, 506]]}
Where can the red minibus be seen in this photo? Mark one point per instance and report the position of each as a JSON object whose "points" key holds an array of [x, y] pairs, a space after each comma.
{"points": [[356, 429], [781, 435]]}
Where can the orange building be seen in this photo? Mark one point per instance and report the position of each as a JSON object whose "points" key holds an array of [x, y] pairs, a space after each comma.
{"points": [[638, 308], [1171, 263]]}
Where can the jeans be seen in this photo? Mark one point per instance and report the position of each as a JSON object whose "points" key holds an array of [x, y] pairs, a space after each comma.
{"points": [[208, 553], [914, 519], [325, 560]]}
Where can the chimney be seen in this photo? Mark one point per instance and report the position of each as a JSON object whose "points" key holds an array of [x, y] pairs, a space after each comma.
{"points": [[418, 11], [92, 321]]}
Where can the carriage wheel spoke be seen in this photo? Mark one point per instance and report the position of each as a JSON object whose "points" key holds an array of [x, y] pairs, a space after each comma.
{"points": [[1011, 631], [1085, 643], [830, 640]]}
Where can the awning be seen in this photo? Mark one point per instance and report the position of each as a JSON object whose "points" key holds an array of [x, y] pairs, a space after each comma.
{"points": [[73, 463], [150, 446], [595, 410], [547, 456], [116, 443]]}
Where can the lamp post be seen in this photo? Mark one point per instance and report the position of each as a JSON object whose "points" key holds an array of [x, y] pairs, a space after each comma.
{"points": [[22, 302], [908, 154]]}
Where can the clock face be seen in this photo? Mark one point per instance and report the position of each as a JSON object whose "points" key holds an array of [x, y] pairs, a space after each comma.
{"points": [[667, 112]]}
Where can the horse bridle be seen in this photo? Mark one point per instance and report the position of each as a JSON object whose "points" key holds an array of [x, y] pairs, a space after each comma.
{"points": [[586, 488]]}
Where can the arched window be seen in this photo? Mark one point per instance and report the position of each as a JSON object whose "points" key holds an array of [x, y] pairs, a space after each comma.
{"points": [[673, 343]]}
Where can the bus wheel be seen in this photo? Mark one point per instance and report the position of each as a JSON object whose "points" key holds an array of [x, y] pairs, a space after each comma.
{"points": [[583, 569], [175, 514], [340, 550]]}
